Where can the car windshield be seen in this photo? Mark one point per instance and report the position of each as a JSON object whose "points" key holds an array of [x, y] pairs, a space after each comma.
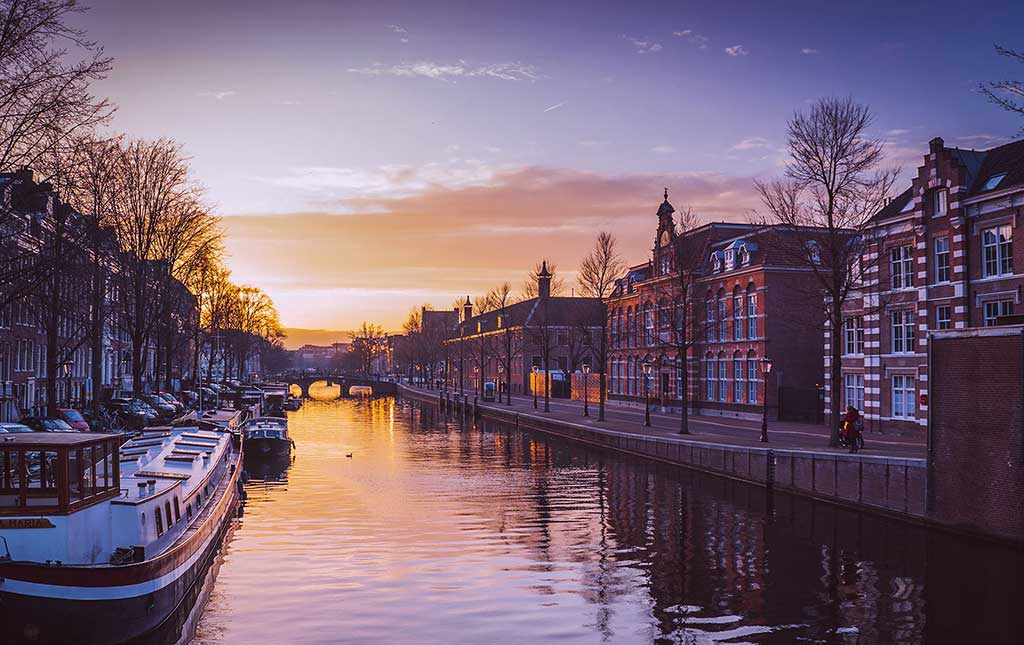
{"points": [[57, 425], [14, 427], [73, 416]]}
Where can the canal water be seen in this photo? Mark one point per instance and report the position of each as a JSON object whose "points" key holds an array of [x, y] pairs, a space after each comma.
{"points": [[435, 530]]}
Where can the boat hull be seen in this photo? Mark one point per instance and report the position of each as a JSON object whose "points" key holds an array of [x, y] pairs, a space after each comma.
{"points": [[266, 447], [40, 604]]}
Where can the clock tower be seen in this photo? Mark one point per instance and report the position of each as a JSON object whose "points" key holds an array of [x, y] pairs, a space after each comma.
{"points": [[664, 239]]}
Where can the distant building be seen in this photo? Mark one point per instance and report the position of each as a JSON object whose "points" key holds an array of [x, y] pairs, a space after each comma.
{"points": [[943, 258]]}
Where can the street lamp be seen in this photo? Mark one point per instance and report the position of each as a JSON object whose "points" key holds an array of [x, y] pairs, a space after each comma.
{"points": [[533, 386], [647, 396], [501, 370], [766, 369], [586, 389]]}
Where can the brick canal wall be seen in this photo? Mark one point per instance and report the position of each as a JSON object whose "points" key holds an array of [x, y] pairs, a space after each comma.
{"points": [[889, 485]]}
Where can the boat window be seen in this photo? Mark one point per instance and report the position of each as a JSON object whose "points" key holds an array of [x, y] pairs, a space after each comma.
{"points": [[188, 511], [167, 507], [159, 522], [177, 511], [40, 476]]}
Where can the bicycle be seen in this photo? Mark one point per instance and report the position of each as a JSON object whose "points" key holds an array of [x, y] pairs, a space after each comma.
{"points": [[844, 437]]}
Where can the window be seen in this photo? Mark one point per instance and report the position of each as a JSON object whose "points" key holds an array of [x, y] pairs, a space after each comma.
{"points": [[901, 267], [737, 375], [722, 382], [751, 378], [942, 259], [943, 317], [710, 320], [751, 313], [679, 380], [167, 507], [709, 378], [995, 309], [993, 181], [722, 331], [997, 250], [648, 326], [737, 315], [159, 521], [855, 390], [940, 198], [903, 331], [177, 510], [853, 328], [903, 396]]}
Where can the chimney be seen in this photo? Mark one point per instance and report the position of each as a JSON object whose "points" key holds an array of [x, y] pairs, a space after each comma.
{"points": [[467, 310], [544, 281], [936, 145]]}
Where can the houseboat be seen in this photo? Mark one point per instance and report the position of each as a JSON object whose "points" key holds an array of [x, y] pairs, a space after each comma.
{"points": [[266, 437], [101, 542]]}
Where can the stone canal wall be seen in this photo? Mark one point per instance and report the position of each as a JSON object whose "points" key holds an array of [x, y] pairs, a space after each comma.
{"points": [[889, 485]]}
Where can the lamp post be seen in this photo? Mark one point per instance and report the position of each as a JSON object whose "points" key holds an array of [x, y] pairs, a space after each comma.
{"points": [[533, 386], [766, 369], [66, 366], [501, 381], [586, 389], [647, 395]]}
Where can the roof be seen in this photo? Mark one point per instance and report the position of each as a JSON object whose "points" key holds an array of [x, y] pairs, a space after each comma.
{"points": [[56, 439], [560, 310], [895, 207], [1007, 159]]}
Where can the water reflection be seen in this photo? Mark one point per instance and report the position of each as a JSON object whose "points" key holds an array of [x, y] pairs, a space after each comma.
{"points": [[440, 531]]}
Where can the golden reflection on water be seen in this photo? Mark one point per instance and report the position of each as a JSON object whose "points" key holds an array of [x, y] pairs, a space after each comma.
{"points": [[439, 531]]}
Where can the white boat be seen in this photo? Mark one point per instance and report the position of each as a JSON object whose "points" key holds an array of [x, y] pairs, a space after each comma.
{"points": [[101, 542]]}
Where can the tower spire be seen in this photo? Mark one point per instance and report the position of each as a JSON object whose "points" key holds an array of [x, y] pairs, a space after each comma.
{"points": [[666, 193]]}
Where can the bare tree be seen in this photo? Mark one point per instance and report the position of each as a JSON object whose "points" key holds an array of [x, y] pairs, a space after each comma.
{"points": [[501, 299], [833, 185], [367, 343], [1007, 94], [598, 272]]}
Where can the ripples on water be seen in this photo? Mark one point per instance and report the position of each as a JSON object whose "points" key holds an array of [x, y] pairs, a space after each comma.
{"points": [[439, 532]]}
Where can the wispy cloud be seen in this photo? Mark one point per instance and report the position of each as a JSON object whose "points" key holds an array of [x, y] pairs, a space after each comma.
{"points": [[220, 95], [642, 45], [398, 29], [737, 50], [663, 149], [451, 72], [896, 132], [555, 106], [807, 51], [751, 143], [697, 40]]}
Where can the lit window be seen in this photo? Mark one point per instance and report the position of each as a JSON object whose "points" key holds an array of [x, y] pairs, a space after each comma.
{"points": [[941, 198], [903, 404], [997, 250], [942, 259], [993, 181]]}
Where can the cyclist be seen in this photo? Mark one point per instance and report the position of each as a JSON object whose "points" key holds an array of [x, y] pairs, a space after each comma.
{"points": [[852, 426]]}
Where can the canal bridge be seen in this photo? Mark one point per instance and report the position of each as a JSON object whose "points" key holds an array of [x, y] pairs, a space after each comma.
{"points": [[343, 380]]}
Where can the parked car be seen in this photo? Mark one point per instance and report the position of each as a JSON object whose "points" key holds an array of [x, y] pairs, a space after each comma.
{"points": [[40, 424], [135, 413], [162, 407], [13, 428], [179, 407], [74, 419]]}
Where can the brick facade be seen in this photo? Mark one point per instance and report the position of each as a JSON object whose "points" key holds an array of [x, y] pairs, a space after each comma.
{"points": [[942, 258]]}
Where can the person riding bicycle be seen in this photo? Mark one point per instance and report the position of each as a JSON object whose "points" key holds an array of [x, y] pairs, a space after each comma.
{"points": [[852, 426]]}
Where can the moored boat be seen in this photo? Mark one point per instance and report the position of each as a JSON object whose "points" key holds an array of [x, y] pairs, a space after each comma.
{"points": [[102, 542], [267, 436]]}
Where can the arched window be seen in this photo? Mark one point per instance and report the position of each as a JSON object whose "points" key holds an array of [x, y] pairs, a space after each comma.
{"points": [[709, 376], [680, 375], [738, 323], [738, 385], [751, 311], [648, 324], [723, 383], [709, 319], [722, 325], [751, 377], [629, 327]]}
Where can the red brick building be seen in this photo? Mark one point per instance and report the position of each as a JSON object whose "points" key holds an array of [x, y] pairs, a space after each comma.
{"points": [[943, 258], [748, 301]]}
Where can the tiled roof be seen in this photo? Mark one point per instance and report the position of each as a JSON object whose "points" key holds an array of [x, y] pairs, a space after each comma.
{"points": [[1007, 159], [560, 311]]}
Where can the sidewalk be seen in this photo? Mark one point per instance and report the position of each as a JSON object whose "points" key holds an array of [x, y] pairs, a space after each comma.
{"points": [[738, 432]]}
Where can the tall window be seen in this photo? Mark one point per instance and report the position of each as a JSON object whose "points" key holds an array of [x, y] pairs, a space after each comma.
{"points": [[751, 313], [722, 331], [903, 396], [997, 250], [737, 378], [710, 320], [942, 259], [722, 382], [995, 309], [855, 390], [629, 328], [751, 378], [903, 331], [940, 198], [679, 379], [709, 377], [901, 267], [737, 314], [853, 328], [649, 325], [943, 317]]}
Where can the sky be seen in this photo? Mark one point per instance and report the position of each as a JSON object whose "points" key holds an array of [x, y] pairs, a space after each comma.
{"points": [[369, 157]]}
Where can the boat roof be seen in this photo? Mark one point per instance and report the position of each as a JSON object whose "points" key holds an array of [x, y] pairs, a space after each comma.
{"points": [[56, 439]]}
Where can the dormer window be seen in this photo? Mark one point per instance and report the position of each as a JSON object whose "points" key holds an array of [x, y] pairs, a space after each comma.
{"points": [[729, 259], [940, 198], [744, 256], [994, 181]]}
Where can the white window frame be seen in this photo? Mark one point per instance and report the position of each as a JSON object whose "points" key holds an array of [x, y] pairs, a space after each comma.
{"points": [[904, 396], [942, 269], [993, 309], [853, 332], [997, 250], [751, 316], [944, 322], [854, 389], [738, 383], [901, 267], [902, 328], [940, 202], [709, 378]]}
